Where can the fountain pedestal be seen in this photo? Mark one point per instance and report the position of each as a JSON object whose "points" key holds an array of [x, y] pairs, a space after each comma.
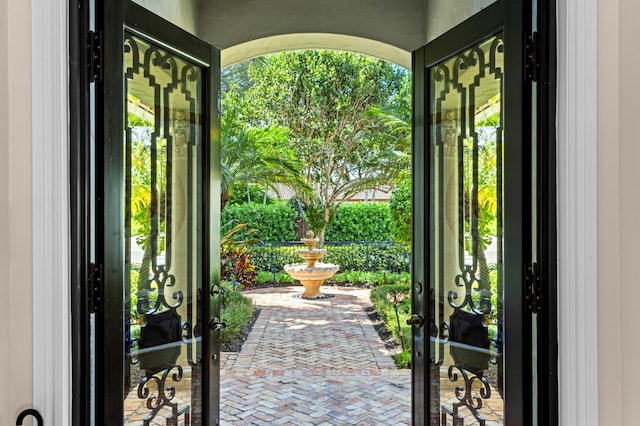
{"points": [[313, 273]]}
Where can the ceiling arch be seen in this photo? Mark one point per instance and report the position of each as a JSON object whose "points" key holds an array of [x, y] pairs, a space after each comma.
{"points": [[285, 42], [243, 29]]}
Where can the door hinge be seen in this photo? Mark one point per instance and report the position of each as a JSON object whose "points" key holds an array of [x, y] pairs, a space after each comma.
{"points": [[532, 57], [95, 287], [532, 290], [94, 56]]}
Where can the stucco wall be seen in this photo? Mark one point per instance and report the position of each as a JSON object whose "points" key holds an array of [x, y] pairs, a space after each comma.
{"points": [[445, 14], [610, 240], [227, 23], [15, 209], [183, 13], [619, 210]]}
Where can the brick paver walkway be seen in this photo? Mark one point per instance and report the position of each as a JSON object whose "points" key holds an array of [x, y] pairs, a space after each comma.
{"points": [[313, 362]]}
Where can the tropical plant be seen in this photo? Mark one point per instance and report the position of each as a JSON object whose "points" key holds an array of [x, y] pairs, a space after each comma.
{"points": [[235, 257], [255, 156]]}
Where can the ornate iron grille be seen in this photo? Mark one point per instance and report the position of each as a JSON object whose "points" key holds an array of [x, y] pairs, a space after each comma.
{"points": [[162, 218], [466, 311]]}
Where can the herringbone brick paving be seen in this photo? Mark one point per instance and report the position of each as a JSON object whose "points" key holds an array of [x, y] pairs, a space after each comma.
{"points": [[313, 362]]}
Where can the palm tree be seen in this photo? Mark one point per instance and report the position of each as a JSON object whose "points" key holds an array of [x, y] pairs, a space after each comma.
{"points": [[256, 156]]}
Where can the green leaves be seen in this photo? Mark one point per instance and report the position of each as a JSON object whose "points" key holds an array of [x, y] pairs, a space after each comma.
{"points": [[324, 99], [274, 222], [255, 156], [400, 207], [360, 222]]}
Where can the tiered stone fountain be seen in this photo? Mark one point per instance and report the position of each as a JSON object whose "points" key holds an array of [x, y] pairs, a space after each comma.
{"points": [[313, 273]]}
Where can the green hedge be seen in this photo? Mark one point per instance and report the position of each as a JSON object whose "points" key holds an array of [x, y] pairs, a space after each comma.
{"points": [[360, 222], [375, 256], [351, 222], [275, 222]]}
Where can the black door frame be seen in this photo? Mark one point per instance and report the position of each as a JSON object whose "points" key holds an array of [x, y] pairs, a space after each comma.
{"points": [[80, 226]]}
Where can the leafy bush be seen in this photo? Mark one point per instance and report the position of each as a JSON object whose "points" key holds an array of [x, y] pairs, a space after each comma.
{"points": [[275, 222], [374, 278], [400, 212], [255, 194], [403, 359], [385, 299], [267, 256], [360, 222], [265, 277], [351, 257], [235, 310], [369, 257]]}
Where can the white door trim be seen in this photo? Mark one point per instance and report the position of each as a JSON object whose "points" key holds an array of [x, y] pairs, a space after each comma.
{"points": [[577, 206], [577, 212], [50, 204]]}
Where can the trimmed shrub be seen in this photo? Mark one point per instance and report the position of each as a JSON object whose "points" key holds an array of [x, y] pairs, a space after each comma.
{"points": [[351, 257], [267, 256], [275, 222], [369, 257], [372, 278], [360, 222], [266, 278]]}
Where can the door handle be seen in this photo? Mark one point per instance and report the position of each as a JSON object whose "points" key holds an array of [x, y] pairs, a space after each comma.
{"points": [[216, 324], [30, 412], [416, 320]]}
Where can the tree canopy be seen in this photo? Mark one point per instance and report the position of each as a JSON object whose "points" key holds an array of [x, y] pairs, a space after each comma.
{"points": [[332, 105]]}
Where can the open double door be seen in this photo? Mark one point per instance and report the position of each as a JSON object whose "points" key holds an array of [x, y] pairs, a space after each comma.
{"points": [[146, 326]]}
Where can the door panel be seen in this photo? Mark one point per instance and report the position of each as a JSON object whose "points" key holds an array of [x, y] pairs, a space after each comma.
{"points": [[467, 273], [473, 114], [156, 358], [163, 219]]}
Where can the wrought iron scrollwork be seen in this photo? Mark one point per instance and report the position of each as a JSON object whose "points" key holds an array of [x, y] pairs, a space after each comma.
{"points": [[165, 90], [162, 396], [468, 281], [466, 395], [461, 86], [164, 281]]}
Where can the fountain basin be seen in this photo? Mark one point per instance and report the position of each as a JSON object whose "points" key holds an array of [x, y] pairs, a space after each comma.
{"points": [[311, 277]]}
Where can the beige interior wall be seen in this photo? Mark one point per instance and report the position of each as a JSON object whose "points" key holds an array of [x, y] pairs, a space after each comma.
{"points": [[4, 210], [610, 366], [15, 209], [619, 213]]}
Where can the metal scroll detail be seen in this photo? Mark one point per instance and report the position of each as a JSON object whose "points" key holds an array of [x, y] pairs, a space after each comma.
{"points": [[466, 308], [163, 316], [163, 396]]}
